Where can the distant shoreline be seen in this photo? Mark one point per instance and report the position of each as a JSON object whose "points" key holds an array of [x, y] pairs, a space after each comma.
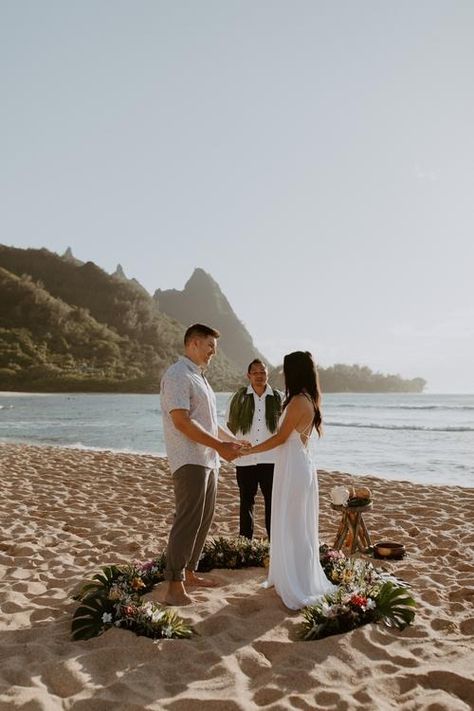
{"points": [[397, 436]]}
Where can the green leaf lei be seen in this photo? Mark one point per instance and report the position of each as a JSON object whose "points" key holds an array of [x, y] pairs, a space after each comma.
{"points": [[242, 409]]}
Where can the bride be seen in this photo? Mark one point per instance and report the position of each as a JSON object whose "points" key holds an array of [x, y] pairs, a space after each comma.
{"points": [[295, 570]]}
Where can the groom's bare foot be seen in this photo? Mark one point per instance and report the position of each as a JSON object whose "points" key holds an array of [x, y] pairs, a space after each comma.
{"points": [[198, 581], [175, 594]]}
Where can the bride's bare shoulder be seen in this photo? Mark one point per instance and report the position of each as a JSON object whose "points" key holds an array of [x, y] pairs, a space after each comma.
{"points": [[299, 402]]}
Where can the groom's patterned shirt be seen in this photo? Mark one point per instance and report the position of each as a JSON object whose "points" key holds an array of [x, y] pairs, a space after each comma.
{"points": [[183, 387]]}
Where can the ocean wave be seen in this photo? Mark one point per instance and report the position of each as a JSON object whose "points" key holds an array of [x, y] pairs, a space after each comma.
{"points": [[77, 445], [114, 450], [417, 428], [382, 406]]}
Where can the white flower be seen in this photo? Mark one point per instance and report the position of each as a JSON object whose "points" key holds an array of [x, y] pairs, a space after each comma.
{"points": [[157, 615], [107, 618], [339, 495], [371, 604], [325, 608], [167, 631]]}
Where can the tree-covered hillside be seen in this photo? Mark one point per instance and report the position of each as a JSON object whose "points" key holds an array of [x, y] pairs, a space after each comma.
{"points": [[69, 326], [65, 326], [341, 378]]}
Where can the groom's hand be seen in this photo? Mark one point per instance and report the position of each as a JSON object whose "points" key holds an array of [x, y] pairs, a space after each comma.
{"points": [[229, 450]]}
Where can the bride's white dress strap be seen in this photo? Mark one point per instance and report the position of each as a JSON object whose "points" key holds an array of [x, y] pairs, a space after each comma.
{"points": [[306, 431]]}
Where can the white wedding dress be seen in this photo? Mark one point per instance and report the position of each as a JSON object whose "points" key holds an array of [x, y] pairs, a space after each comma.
{"points": [[295, 570]]}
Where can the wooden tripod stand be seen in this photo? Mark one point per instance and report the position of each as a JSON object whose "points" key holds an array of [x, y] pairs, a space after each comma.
{"points": [[352, 531]]}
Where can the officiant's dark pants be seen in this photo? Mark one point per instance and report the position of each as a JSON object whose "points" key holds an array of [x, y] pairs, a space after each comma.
{"points": [[195, 489], [249, 479]]}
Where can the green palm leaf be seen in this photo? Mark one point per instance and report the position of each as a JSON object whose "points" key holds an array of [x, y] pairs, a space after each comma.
{"points": [[180, 628], [394, 606], [87, 621], [103, 580], [108, 575]]}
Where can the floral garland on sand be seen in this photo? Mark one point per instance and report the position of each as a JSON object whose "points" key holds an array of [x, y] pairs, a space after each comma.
{"points": [[363, 595], [113, 597]]}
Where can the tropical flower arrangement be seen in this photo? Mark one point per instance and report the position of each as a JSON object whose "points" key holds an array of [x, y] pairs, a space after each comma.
{"points": [[363, 595], [113, 597], [237, 552]]}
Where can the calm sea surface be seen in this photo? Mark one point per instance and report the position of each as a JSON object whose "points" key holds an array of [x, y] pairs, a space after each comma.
{"points": [[422, 438]]}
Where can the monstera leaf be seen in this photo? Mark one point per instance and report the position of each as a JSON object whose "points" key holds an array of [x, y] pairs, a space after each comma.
{"points": [[88, 620], [394, 606]]}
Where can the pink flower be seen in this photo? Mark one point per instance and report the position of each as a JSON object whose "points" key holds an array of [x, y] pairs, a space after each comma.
{"points": [[145, 567]]}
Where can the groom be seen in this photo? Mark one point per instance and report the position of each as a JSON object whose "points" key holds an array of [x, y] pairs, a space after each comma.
{"points": [[193, 442]]}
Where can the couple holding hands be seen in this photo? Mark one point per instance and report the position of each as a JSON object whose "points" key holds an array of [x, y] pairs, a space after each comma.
{"points": [[271, 437]]}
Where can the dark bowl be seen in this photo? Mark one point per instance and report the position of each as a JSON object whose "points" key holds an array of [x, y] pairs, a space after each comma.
{"points": [[389, 549]]}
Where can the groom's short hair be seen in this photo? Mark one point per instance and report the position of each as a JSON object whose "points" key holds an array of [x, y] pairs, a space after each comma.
{"points": [[201, 331]]}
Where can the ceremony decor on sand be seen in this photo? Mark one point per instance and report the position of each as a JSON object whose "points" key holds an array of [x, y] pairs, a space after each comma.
{"points": [[364, 595], [113, 597]]}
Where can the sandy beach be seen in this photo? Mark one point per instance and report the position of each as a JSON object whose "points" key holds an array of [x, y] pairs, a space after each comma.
{"points": [[65, 513]]}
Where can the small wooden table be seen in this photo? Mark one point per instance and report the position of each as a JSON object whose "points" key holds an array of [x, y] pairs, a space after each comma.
{"points": [[352, 524]]}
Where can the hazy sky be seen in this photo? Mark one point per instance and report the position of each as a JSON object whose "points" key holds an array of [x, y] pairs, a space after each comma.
{"points": [[317, 158]]}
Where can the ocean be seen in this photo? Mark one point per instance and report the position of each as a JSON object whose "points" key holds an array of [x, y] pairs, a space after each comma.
{"points": [[427, 438]]}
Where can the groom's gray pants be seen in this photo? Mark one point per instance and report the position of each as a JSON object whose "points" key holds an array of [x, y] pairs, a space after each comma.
{"points": [[195, 489]]}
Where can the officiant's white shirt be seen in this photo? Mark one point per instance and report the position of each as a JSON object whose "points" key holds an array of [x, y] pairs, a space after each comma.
{"points": [[259, 431]]}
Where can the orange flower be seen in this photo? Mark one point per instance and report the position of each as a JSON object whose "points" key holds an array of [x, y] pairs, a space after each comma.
{"points": [[137, 583]]}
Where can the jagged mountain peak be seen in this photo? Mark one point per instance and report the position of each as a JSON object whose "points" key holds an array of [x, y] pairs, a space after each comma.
{"points": [[119, 272], [69, 257], [203, 301], [200, 277]]}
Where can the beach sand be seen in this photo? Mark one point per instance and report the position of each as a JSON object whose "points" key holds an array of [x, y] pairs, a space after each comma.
{"points": [[65, 513]]}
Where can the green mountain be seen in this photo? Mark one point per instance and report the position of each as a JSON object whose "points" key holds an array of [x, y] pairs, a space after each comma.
{"points": [[69, 326], [66, 325], [202, 300]]}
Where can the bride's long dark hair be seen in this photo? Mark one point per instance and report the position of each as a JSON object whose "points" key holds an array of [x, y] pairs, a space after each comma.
{"points": [[301, 376]]}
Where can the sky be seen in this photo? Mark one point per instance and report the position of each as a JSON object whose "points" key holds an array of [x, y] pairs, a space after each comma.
{"points": [[316, 158]]}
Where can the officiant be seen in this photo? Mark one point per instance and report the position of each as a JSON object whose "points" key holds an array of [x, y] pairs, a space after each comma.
{"points": [[253, 414]]}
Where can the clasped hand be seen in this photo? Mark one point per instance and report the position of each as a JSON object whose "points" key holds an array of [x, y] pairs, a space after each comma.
{"points": [[232, 450]]}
